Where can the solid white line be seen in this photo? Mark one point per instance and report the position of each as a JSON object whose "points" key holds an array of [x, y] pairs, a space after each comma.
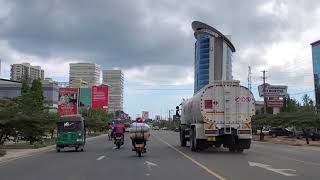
{"points": [[101, 157], [193, 160]]}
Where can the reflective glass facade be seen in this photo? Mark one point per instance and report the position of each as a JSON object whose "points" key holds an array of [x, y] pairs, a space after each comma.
{"points": [[201, 74], [316, 72]]}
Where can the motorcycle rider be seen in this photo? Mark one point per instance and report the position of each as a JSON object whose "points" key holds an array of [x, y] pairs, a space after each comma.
{"points": [[109, 131], [139, 120], [119, 130]]}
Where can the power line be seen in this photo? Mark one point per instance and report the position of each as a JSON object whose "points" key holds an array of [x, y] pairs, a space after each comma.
{"points": [[302, 92]]}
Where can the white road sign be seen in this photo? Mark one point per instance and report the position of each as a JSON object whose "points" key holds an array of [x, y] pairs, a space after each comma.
{"points": [[272, 91]]}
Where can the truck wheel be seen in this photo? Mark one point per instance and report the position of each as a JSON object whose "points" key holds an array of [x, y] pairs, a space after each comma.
{"points": [[217, 145], [192, 140], [183, 141], [231, 149], [239, 150], [58, 149]]}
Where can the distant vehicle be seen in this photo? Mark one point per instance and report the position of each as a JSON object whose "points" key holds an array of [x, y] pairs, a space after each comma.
{"points": [[155, 128], [176, 129], [264, 131], [274, 132], [314, 134], [71, 132], [164, 128], [212, 117]]}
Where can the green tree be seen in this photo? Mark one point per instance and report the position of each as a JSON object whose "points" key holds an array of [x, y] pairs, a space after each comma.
{"points": [[96, 120], [26, 99], [8, 121], [37, 96], [307, 105], [290, 105], [50, 122]]}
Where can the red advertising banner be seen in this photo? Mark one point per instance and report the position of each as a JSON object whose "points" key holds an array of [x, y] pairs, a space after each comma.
{"points": [[68, 101], [145, 114], [275, 103], [100, 97]]}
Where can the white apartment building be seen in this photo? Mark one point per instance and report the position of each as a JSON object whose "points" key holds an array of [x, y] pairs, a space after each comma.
{"points": [[114, 79], [24, 71], [88, 72]]}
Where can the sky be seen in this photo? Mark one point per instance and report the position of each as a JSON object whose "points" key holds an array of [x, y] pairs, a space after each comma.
{"points": [[153, 42]]}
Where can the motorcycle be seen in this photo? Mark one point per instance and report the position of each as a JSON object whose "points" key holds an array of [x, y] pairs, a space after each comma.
{"points": [[139, 147], [118, 140]]}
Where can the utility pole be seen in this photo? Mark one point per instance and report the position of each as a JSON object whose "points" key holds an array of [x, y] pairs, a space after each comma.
{"points": [[264, 90], [249, 78]]}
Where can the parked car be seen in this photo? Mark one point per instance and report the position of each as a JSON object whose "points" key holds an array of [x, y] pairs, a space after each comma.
{"points": [[264, 131], [155, 128], [314, 133], [274, 132], [164, 128], [177, 130]]}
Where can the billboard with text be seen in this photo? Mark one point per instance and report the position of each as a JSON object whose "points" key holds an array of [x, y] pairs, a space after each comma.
{"points": [[68, 101], [145, 114], [85, 97], [100, 97], [272, 91]]}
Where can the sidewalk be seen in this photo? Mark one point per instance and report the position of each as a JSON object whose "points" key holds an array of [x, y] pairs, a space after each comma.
{"points": [[13, 154], [288, 141]]}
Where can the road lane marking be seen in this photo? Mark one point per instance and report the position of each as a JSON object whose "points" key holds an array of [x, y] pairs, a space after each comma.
{"points": [[151, 164], [193, 160], [288, 158], [100, 158], [268, 167]]}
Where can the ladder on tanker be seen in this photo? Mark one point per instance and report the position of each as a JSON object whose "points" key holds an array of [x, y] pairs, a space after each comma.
{"points": [[226, 116], [228, 98]]}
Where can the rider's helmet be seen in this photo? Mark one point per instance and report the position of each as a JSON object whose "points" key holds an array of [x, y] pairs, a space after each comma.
{"points": [[139, 120]]}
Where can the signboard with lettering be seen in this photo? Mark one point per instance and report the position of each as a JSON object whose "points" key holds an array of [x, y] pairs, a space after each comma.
{"points": [[272, 91], [100, 97], [275, 103], [145, 114], [68, 101]]}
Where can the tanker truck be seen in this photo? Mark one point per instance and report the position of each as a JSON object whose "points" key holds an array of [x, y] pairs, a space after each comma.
{"points": [[218, 115]]}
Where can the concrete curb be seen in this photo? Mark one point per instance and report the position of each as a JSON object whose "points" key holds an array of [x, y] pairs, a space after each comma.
{"points": [[30, 152]]}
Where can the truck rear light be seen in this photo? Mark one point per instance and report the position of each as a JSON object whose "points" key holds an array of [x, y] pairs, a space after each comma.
{"points": [[244, 131], [211, 131]]}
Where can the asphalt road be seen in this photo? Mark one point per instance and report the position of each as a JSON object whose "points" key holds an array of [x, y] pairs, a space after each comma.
{"points": [[166, 160]]}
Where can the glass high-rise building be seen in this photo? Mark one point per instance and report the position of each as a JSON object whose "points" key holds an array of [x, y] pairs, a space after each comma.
{"points": [[213, 55], [316, 70]]}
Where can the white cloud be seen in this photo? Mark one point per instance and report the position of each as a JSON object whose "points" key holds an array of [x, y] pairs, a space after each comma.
{"points": [[160, 75]]}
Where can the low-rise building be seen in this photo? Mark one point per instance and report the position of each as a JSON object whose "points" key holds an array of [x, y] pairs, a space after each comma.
{"points": [[12, 89]]}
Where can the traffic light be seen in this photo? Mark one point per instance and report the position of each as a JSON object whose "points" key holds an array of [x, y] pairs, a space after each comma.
{"points": [[177, 111]]}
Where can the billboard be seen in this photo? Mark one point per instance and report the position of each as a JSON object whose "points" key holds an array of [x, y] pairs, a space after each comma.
{"points": [[272, 91], [85, 97], [100, 97], [145, 114], [275, 103], [68, 101]]}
